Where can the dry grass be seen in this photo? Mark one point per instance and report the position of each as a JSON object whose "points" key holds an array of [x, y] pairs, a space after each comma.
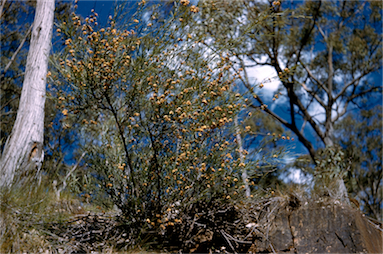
{"points": [[25, 211]]}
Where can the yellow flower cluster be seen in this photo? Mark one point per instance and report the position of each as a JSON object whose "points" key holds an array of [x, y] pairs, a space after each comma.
{"points": [[194, 9]]}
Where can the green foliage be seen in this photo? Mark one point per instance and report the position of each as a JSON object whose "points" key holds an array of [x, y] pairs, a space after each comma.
{"points": [[361, 138], [330, 166]]}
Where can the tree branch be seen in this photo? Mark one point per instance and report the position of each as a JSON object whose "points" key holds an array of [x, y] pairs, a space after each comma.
{"points": [[349, 84], [322, 33], [296, 101], [3, 106], [58, 191], [288, 125], [313, 94], [364, 92], [305, 39], [122, 137], [314, 78], [351, 98], [17, 51], [1, 8], [8, 113]]}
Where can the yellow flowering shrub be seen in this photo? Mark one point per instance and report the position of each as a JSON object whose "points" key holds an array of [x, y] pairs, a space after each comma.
{"points": [[156, 113]]}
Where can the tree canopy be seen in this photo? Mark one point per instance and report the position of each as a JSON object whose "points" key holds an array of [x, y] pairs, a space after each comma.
{"points": [[315, 49]]}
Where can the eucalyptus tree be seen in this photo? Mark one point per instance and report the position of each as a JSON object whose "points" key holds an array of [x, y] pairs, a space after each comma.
{"points": [[16, 19], [323, 54], [24, 147]]}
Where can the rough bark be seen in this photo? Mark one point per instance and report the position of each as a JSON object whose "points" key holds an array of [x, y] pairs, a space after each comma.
{"points": [[24, 147]]}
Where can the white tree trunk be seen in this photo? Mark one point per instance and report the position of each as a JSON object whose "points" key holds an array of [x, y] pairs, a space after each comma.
{"points": [[24, 147], [241, 157]]}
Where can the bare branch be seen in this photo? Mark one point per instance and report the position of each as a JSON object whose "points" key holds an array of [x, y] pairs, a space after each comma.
{"points": [[339, 115], [296, 101], [314, 78], [8, 113], [2, 107], [259, 63], [322, 33], [305, 39], [330, 73], [351, 98], [292, 127], [17, 50], [250, 89], [352, 15], [1, 8], [349, 84], [313, 94], [303, 125], [364, 92], [67, 176], [307, 116]]}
